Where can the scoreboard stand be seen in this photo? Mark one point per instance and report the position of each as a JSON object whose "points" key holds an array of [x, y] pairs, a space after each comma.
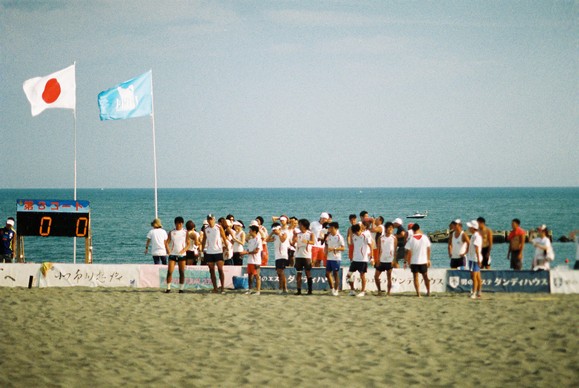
{"points": [[53, 218]]}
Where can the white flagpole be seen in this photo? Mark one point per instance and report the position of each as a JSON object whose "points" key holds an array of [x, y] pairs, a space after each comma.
{"points": [[154, 144], [74, 114]]}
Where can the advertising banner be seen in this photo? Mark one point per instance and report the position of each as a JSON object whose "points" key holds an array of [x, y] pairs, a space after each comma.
{"points": [[500, 281], [402, 280], [18, 274], [270, 280], [88, 275], [564, 281]]}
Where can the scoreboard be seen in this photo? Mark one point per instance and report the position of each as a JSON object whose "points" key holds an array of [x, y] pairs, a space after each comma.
{"points": [[53, 218]]}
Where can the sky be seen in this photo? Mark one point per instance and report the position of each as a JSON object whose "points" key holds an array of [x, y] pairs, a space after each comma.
{"points": [[297, 93]]}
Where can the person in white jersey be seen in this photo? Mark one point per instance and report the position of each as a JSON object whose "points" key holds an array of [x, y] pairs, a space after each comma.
{"points": [[157, 238], [475, 258], [334, 246], [281, 244], [318, 249], [177, 244], [386, 253], [457, 246], [362, 250], [418, 256], [544, 253], [213, 246], [254, 247], [238, 239], [303, 241]]}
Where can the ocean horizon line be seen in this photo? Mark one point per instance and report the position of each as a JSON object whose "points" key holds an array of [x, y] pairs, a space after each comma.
{"points": [[295, 188]]}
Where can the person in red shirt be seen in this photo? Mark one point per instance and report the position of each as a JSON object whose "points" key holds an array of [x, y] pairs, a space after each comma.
{"points": [[516, 245]]}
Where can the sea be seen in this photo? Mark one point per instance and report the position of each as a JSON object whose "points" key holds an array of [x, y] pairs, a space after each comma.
{"points": [[121, 218]]}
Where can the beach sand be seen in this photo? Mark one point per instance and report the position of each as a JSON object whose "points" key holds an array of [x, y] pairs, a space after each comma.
{"points": [[124, 337]]}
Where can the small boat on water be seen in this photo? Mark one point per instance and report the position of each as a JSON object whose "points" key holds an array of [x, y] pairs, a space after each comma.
{"points": [[417, 214]]}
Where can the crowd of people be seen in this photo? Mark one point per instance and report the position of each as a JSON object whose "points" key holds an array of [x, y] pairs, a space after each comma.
{"points": [[304, 245]]}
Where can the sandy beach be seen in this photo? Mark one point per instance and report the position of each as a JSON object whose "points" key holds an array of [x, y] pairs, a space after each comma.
{"points": [[125, 337]]}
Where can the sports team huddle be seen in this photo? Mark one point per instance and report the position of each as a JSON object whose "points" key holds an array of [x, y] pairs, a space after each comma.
{"points": [[297, 243]]}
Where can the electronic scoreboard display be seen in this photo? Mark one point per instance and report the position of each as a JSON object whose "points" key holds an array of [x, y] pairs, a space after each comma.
{"points": [[52, 218]]}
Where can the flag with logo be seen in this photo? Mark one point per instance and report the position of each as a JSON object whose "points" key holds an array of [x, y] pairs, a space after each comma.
{"points": [[132, 98], [56, 90]]}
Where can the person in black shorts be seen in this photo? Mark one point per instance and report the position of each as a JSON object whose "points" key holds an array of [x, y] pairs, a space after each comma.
{"points": [[303, 241]]}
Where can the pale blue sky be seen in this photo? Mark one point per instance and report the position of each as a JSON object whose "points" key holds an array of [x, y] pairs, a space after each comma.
{"points": [[298, 93]]}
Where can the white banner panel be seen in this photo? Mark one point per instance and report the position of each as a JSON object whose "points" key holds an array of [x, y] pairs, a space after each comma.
{"points": [[402, 280], [18, 274], [89, 275], [564, 281]]}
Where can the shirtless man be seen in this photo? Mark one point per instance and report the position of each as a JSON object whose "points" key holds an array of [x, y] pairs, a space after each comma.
{"points": [[487, 244]]}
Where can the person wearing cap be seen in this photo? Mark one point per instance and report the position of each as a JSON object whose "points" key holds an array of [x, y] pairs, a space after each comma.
{"points": [[457, 245], [8, 245], [516, 240], [214, 244], [418, 256], [401, 238], [487, 245], [281, 244], [238, 239], [157, 238], [177, 244], [475, 258], [316, 227], [544, 253]]}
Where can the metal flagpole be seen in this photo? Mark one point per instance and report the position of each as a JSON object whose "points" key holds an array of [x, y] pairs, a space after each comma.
{"points": [[154, 144], [74, 114]]}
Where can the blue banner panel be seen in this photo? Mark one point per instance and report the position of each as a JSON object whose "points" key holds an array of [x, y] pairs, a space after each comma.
{"points": [[270, 280], [500, 281]]}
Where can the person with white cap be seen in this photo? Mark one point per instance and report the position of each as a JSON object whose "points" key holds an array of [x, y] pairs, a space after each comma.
{"points": [[401, 238], [316, 227], [544, 253], [475, 258], [238, 242], [281, 243], [157, 238], [457, 245], [8, 244]]}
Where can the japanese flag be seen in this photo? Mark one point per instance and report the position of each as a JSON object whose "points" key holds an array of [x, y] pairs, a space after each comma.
{"points": [[56, 90]]}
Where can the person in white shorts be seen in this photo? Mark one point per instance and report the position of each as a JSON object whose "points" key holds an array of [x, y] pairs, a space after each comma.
{"points": [[418, 256], [334, 246], [474, 256]]}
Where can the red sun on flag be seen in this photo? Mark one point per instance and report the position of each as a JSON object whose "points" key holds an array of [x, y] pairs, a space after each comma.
{"points": [[51, 91]]}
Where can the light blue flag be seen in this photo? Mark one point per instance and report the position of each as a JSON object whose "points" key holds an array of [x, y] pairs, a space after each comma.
{"points": [[132, 98]]}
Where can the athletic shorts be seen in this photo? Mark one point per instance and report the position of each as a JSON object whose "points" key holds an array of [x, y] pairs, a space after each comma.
{"points": [[419, 268], [333, 265], [350, 252], [457, 263], [252, 269], [191, 255], [359, 266], [516, 263], [281, 263], [302, 263], [318, 254], [473, 266], [213, 257], [384, 267], [160, 260], [237, 259], [177, 258], [486, 256]]}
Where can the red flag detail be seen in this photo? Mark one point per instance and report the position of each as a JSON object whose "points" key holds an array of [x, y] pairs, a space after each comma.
{"points": [[51, 91]]}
